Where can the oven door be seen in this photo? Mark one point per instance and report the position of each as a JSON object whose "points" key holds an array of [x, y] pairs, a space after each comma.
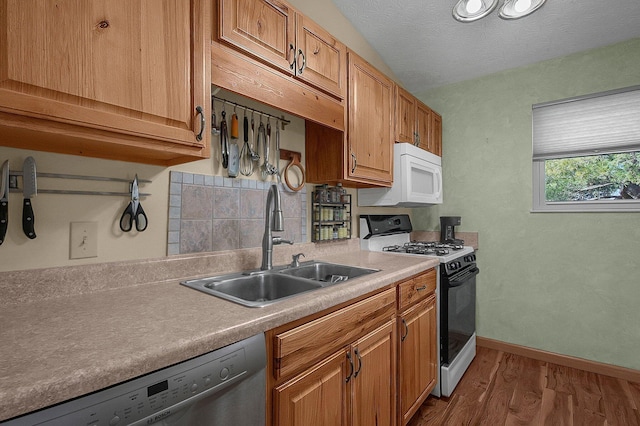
{"points": [[458, 312]]}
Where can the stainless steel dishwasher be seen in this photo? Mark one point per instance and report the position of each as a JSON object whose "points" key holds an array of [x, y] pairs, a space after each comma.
{"points": [[223, 387]]}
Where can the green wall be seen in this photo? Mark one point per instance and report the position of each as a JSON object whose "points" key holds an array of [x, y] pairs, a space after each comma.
{"points": [[542, 283]]}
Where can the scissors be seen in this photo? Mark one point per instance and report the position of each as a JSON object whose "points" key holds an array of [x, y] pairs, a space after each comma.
{"points": [[134, 211]]}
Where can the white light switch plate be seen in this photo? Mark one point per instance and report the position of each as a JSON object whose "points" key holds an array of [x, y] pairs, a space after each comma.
{"points": [[83, 240]]}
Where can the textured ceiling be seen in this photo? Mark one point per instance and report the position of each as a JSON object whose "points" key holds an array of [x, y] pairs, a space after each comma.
{"points": [[426, 48]]}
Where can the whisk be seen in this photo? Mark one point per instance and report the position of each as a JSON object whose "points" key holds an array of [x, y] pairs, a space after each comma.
{"points": [[246, 153]]}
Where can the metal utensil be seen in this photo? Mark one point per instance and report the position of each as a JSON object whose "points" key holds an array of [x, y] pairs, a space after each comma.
{"points": [[246, 163], [4, 200], [267, 168], [224, 140], [254, 155], [30, 189], [134, 211]]}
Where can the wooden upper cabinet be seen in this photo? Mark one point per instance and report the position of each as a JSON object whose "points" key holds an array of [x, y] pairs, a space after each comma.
{"points": [[361, 156], [262, 28], [435, 137], [424, 120], [370, 123], [112, 79], [273, 32], [405, 117], [416, 123], [321, 59]]}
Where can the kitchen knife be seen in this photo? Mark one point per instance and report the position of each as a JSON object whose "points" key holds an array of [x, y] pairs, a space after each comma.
{"points": [[30, 189], [4, 199]]}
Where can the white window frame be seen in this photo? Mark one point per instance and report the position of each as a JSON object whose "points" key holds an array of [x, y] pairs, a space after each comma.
{"points": [[545, 147]]}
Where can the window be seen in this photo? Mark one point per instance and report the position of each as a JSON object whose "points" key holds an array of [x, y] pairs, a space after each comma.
{"points": [[586, 153]]}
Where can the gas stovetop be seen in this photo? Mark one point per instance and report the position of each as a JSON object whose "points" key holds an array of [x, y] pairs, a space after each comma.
{"points": [[392, 234], [427, 248]]}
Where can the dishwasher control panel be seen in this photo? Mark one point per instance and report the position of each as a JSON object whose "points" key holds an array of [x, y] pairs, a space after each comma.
{"points": [[155, 396]]}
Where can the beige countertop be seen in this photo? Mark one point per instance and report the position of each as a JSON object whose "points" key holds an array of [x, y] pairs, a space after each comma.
{"points": [[54, 349]]}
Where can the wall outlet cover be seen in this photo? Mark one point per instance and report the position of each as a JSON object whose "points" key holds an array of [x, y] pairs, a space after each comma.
{"points": [[83, 241]]}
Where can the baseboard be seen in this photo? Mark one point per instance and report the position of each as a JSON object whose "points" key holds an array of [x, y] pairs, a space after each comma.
{"points": [[565, 360]]}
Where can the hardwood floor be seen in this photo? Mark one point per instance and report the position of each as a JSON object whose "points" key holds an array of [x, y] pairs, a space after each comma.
{"points": [[505, 389]]}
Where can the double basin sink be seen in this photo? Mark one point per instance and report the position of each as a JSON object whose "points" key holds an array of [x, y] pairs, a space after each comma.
{"points": [[261, 288]]}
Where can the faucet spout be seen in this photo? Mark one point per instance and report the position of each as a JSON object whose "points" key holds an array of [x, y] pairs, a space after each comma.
{"points": [[274, 221]]}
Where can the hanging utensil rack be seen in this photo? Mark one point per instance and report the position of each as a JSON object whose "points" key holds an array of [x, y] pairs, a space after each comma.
{"points": [[13, 184], [281, 119]]}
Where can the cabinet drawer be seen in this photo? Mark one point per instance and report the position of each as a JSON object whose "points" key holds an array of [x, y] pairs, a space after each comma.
{"points": [[416, 289], [309, 342]]}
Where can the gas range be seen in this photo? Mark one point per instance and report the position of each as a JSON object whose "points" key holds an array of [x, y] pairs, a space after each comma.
{"points": [[455, 289]]}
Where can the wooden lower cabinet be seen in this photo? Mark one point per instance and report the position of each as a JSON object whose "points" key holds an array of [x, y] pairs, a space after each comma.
{"points": [[354, 386], [367, 362], [316, 397], [373, 382], [417, 360]]}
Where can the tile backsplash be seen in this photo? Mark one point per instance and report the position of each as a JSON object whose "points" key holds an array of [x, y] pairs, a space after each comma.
{"points": [[213, 213]]}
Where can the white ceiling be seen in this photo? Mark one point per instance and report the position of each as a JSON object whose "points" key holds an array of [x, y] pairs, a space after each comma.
{"points": [[426, 48]]}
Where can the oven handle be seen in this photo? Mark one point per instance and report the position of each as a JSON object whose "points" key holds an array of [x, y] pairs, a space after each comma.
{"points": [[461, 278]]}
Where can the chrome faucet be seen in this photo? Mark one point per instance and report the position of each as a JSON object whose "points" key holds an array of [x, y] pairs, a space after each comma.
{"points": [[274, 221]]}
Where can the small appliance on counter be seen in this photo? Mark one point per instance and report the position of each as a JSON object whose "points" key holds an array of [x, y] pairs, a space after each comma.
{"points": [[448, 230]]}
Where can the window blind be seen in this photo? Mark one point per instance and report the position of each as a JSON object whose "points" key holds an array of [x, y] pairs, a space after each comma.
{"points": [[601, 123]]}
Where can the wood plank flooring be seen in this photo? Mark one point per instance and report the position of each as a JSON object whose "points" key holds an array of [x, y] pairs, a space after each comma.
{"points": [[500, 388]]}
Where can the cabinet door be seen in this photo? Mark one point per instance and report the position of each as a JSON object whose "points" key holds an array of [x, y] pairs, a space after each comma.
{"points": [[321, 59], [262, 28], [435, 141], [424, 125], [405, 116], [135, 67], [417, 360], [370, 137], [373, 382], [317, 397]]}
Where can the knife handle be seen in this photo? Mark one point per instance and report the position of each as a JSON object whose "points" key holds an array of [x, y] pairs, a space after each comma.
{"points": [[4, 219], [28, 219]]}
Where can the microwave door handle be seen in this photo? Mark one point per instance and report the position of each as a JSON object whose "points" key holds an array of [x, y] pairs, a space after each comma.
{"points": [[438, 174]]}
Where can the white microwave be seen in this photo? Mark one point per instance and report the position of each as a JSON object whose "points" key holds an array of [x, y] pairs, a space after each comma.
{"points": [[417, 180]]}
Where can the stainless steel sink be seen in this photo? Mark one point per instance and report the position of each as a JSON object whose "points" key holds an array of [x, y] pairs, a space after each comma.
{"points": [[255, 289], [327, 272], [261, 288]]}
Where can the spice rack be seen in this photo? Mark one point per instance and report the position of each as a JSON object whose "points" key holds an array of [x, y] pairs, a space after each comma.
{"points": [[331, 219]]}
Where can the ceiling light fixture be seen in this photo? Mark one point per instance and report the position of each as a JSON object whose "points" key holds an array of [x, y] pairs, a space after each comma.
{"points": [[472, 10], [516, 9]]}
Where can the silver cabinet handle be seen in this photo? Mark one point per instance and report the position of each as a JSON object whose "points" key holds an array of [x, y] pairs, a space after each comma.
{"points": [[351, 364], [292, 55], [406, 330], [359, 364], [355, 163], [304, 61], [424, 287], [203, 122]]}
